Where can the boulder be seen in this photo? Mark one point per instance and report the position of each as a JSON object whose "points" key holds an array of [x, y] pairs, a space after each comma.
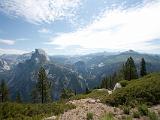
{"points": [[51, 118], [98, 101], [117, 86], [92, 101], [109, 92]]}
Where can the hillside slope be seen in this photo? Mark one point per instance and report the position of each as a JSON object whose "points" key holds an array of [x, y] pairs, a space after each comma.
{"points": [[142, 90]]}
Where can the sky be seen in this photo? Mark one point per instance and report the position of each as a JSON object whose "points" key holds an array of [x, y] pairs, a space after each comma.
{"points": [[69, 27]]}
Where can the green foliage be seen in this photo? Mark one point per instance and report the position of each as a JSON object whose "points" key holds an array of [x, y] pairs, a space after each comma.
{"points": [[143, 71], [103, 83], [96, 94], [89, 116], [124, 83], [143, 109], [108, 116], [17, 111], [152, 116], [43, 86], [129, 118], [143, 90], [109, 82], [4, 92], [136, 114], [126, 110], [129, 69], [66, 93]]}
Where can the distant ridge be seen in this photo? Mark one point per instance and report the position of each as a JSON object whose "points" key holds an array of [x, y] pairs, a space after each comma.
{"points": [[74, 72]]}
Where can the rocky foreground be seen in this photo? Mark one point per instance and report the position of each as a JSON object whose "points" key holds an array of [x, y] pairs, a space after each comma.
{"points": [[89, 105], [84, 106]]}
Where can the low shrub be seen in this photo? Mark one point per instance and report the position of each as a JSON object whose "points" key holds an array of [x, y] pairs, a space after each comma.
{"points": [[89, 116], [66, 94], [126, 109], [143, 109], [95, 94], [124, 83], [128, 118], [152, 116], [17, 111], [136, 114], [144, 90], [108, 116]]}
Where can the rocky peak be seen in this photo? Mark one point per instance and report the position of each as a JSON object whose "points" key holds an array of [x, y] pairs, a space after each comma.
{"points": [[40, 51], [130, 52], [39, 56]]}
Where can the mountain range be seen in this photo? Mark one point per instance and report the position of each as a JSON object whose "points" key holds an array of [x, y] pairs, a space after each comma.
{"points": [[74, 72]]}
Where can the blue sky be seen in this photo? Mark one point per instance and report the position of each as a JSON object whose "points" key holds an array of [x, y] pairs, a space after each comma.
{"points": [[79, 26]]}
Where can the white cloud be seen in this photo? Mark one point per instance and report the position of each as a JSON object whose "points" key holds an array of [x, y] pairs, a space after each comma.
{"points": [[22, 39], [44, 30], [12, 51], [7, 42], [38, 11], [117, 29]]}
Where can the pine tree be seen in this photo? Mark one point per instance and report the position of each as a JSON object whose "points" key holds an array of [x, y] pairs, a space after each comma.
{"points": [[130, 71], [4, 92], [115, 79], [75, 92], [106, 83], [143, 71], [66, 93], [120, 74], [18, 97], [43, 86], [103, 83], [110, 81]]}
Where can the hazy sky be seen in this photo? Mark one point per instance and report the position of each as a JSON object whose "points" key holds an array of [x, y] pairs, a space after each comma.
{"points": [[79, 26]]}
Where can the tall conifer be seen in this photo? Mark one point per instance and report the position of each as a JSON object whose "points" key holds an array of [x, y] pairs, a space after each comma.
{"points": [[4, 92], [130, 71], [143, 71], [43, 86]]}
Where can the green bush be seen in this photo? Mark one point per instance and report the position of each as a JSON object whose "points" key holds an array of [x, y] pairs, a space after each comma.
{"points": [[136, 114], [124, 83], [143, 109], [129, 118], [152, 116], [17, 111], [95, 94], [126, 110], [89, 116], [66, 94], [144, 90], [134, 103], [108, 116]]}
